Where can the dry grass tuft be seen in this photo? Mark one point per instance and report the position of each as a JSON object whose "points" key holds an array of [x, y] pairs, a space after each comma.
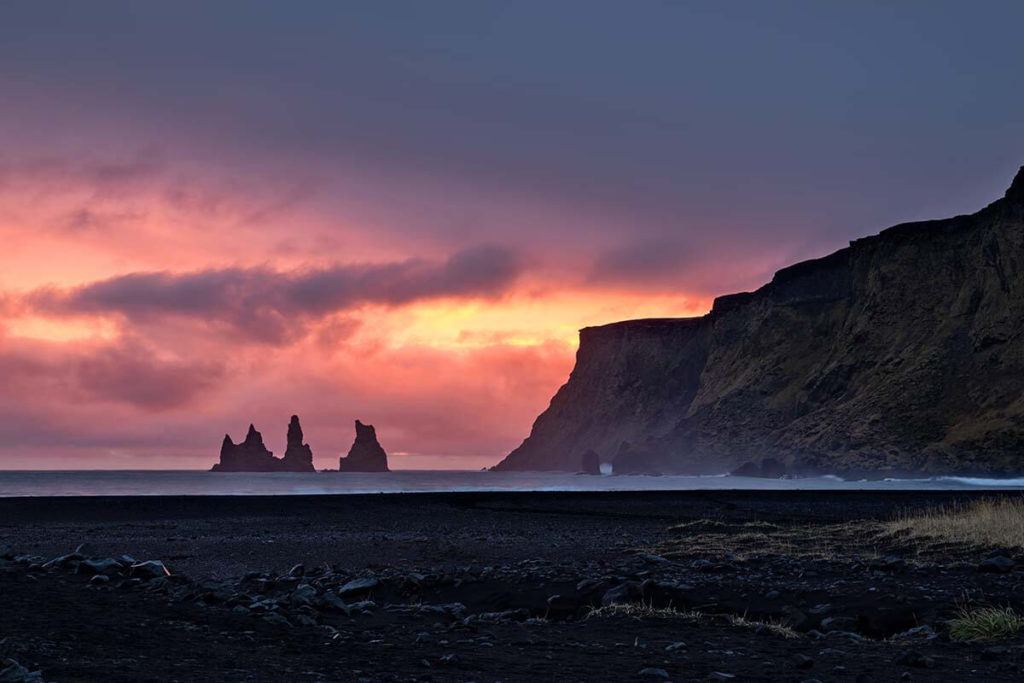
{"points": [[773, 627], [994, 521], [985, 623], [641, 610]]}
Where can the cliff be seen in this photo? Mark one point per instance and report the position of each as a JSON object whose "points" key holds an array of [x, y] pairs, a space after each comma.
{"points": [[902, 353], [366, 453], [253, 456]]}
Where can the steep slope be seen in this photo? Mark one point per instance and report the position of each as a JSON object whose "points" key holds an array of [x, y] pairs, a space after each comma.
{"points": [[900, 353]]}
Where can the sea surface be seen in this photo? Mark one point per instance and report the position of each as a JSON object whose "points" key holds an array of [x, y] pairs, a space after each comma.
{"points": [[193, 483]]}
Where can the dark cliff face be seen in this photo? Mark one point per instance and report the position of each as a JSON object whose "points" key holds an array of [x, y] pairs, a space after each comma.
{"points": [[253, 456], [366, 454], [902, 353]]}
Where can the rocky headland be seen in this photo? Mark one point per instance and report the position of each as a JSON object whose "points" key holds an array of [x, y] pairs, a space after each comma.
{"points": [[900, 354], [366, 453]]}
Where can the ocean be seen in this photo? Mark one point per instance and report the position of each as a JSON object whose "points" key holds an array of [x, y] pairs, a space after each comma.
{"points": [[195, 483]]}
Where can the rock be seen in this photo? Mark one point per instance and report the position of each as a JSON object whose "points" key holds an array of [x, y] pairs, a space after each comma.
{"points": [[590, 463], [304, 594], [563, 606], [85, 549], [249, 456], [104, 567], [332, 603], [721, 676], [298, 456], [678, 645], [652, 672], [276, 619], [253, 456], [297, 570], [12, 672], [705, 394], [366, 454], [802, 661], [99, 580], [923, 632], [838, 624], [915, 659], [998, 564], [151, 569], [63, 561], [356, 586], [624, 593]]}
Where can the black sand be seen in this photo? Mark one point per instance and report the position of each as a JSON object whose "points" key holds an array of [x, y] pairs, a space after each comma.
{"points": [[465, 586]]}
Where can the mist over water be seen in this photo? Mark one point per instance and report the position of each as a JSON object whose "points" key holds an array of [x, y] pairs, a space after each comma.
{"points": [[192, 483]]}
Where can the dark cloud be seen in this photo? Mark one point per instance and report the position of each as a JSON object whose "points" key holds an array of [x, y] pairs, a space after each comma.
{"points": [[130, 374], [270, 306]]}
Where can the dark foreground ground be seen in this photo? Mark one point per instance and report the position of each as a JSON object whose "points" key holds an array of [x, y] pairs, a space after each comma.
{"points": [[744, 586]]}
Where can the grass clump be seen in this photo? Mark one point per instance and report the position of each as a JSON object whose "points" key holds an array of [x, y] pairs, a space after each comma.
{"points": [[640, 610], [773, 627], [985, 623], [992, 521]]}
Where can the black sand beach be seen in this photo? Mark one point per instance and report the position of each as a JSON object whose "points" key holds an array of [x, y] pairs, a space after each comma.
{"points": [[680, 586]]}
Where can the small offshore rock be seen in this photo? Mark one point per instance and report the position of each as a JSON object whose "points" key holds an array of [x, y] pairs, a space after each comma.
{"points": [[297, 570]]}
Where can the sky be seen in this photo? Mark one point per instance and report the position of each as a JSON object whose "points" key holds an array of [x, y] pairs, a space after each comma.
{"points": [[213, 214]]}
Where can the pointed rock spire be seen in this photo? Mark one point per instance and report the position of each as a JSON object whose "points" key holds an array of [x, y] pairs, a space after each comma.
{"points": [[366, 454], [298, 457]]}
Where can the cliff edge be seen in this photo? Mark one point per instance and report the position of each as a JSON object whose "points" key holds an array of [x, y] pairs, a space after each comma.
{"points": [[901, 353]]}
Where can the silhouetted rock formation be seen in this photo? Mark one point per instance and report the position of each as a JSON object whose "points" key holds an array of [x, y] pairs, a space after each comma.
{"points": [[298, 457], [903, 352], [366, 454], [252, 455], [590, 463]]}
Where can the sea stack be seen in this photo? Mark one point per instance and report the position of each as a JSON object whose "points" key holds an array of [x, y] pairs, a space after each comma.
{"points": [[366, 454], [249, 456], [253, 456], [298, 456]]}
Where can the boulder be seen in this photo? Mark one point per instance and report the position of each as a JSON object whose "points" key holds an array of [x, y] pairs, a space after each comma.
{"points": [[366, 454]]}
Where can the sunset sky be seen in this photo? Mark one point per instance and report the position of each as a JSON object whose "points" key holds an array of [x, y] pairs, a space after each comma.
{"points": [[220, 213]]}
